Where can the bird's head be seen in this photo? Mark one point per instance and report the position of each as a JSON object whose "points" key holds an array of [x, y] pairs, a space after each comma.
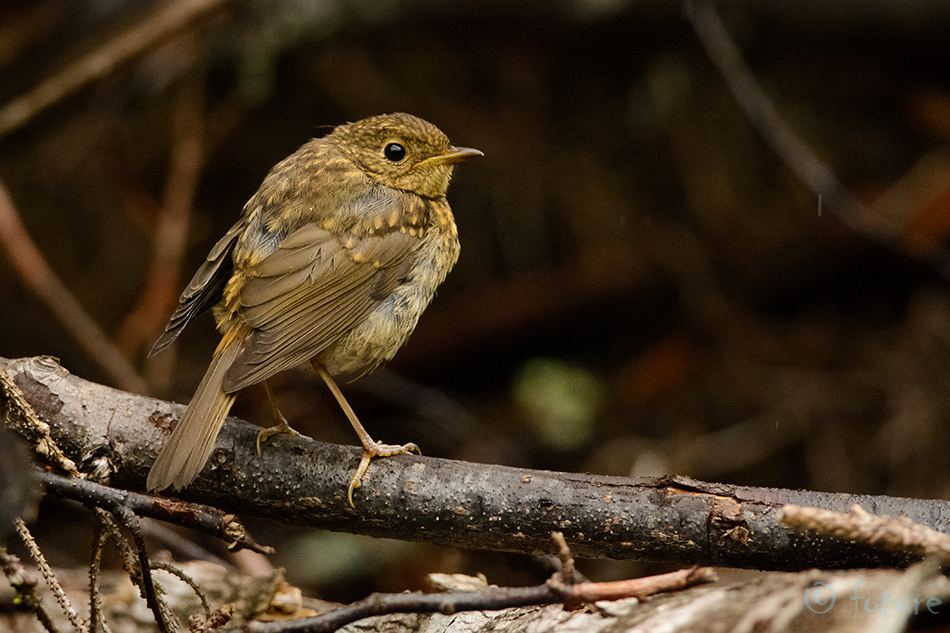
{"points": [[401, 151]]}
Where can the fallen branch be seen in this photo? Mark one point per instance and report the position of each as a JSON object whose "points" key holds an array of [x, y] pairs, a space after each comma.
{"points": [[297, 480]]}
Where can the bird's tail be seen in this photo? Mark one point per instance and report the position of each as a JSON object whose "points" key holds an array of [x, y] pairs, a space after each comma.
{"points": [[190, 444]]}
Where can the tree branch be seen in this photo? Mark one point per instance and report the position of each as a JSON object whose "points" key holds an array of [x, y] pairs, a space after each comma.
{"points": [[672, 519], [120, 502]]}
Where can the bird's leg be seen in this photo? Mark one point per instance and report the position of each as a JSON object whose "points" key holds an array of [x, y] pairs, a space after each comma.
{"points": [[280, 422], [371, 448]]}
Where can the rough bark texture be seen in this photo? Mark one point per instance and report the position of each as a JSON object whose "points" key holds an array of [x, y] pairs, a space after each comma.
{"points": [[672, 519]]}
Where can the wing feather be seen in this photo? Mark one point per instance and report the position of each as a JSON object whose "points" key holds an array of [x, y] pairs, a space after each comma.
{"points": [[312, 289]]}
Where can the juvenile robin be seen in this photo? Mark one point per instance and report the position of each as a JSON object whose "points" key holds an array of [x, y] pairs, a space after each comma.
{"points": [[332, 262]]}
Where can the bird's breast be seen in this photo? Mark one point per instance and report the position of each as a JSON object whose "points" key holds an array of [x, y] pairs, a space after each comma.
{"points": [[386, 329]]}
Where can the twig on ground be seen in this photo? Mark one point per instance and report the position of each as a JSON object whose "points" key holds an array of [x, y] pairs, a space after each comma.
{"points": [[588, 593], [491, 598]]}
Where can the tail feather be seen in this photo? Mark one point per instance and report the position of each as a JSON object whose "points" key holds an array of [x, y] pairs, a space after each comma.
{"points": [[190, 444]]}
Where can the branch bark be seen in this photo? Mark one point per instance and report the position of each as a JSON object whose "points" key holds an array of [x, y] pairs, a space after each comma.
{"points": [[297, 480]]}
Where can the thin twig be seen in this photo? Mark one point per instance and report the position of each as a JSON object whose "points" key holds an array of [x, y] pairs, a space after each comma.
{"points": [[131, 523], [192, 515], [40, 278], [24, 585], [99, 538], [590, 592], [566, 572], [896, 535], [764, 116], [47, 572], [171, 18], [136, 563], [185, 578]]}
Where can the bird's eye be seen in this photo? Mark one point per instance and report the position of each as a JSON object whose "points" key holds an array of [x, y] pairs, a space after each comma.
{"points": [[394, 152]]}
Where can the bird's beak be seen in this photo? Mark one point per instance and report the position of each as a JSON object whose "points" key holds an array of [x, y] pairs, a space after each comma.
{"points": [[454, 155]]}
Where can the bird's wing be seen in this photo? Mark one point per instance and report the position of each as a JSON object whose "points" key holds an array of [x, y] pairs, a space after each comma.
{"points": [[204, 289], [313, 288]]}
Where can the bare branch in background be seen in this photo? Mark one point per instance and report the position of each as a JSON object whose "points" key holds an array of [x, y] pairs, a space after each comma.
{"points": [[152, 31], [817, 175], [42, 280]]}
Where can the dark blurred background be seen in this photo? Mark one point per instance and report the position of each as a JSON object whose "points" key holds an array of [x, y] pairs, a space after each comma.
{"points": [[644, 288]]}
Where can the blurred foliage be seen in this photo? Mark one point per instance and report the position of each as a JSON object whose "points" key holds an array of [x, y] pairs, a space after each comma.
{"points": [[561, 400], [626, 223]]}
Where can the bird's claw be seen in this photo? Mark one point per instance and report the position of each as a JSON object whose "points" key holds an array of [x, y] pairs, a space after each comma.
{"points": [[281, 428], [376, 450]]}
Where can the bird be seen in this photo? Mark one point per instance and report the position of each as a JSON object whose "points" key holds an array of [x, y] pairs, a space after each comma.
{"points": [[332, 262]]}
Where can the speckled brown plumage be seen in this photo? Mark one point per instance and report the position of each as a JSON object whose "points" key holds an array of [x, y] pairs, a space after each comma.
{"points": [[333, 261]]}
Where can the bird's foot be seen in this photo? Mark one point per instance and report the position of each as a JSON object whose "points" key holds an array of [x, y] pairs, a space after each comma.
{"points": [[375, 449], [280, 428]]}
